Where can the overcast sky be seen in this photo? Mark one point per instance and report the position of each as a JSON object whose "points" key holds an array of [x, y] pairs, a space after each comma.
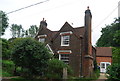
{"points": [[57, 12]]}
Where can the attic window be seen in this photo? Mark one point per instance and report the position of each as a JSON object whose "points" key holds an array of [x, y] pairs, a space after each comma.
{"points": [[42, 38]]}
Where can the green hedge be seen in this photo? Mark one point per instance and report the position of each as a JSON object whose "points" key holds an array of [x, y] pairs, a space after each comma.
{"points": [[7, 68]]}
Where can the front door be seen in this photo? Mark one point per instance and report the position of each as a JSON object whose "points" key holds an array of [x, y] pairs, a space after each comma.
{"points": [[103, 66]]}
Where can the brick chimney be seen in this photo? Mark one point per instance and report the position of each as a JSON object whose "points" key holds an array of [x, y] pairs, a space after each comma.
{"points": [[43, 23], [88, 44]]}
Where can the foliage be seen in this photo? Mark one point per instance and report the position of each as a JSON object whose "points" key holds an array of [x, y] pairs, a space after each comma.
{"points": [[17, 31], [32, 56], [96, 71], [96, 74], [5, 48], [110, 35], [3, 22], [114, 72], [7, 68], [116, 38], [32, 31], [116, 54], [114, 69], [55, 69]]}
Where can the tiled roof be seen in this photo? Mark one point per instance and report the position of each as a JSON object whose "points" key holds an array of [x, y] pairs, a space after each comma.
{"points": [[104, 51], [79, 31]]}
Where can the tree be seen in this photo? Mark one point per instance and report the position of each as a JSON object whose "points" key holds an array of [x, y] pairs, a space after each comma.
{"points": [[110, 35], [5, 48], [32, 30], [32, 56], [3, 22], [114, 69], [116, 54], [116, 38], [17, 31]]}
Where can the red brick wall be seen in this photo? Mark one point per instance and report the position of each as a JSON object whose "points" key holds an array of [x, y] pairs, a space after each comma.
{"points": [[103, 59]]}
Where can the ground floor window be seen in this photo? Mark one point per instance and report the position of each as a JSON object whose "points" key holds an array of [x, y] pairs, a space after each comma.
{"points": [[64, 58]]}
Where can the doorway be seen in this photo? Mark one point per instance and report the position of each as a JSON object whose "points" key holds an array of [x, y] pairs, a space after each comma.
{"points": [[103, 66]]}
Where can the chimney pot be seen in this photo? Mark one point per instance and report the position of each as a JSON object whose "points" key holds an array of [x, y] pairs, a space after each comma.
{"points": [[88, 8]]}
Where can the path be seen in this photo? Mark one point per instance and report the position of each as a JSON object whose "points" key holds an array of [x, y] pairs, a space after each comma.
{"points": [[102, 77], [9, 77]]}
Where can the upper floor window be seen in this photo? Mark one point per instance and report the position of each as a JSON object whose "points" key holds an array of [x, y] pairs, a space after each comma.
{"points": [[65, 40]]}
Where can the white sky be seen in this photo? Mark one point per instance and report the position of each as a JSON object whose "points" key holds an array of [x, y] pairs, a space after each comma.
{"points": [[57, 12]]}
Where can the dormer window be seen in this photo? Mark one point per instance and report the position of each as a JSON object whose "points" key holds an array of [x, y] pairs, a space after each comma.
{"points": [[65, 38], [42, 38]]}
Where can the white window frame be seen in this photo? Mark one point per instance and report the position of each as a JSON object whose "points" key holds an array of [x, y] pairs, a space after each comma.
{"points": [[63, 40], [69, 32], [60, 51]]}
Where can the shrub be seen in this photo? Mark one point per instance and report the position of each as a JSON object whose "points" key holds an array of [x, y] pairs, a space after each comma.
{"points": [[55, 69], [114, 72], [7, 68], [31, 56]]}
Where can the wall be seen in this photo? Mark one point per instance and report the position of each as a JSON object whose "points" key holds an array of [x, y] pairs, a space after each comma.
{"points": [[103, 59]]}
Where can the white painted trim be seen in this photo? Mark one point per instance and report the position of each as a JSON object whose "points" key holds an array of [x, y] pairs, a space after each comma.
{"points": [[59, 56], [50, 48], [64, 51], [69, 32], [42, 36]]}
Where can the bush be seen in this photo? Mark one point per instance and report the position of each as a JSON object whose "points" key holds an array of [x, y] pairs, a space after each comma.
{"points": [[114, 72], [31, 56], [7, 68], [55, 69]]}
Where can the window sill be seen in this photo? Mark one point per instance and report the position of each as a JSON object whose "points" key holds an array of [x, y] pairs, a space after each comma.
{"points": [[65, 45]]}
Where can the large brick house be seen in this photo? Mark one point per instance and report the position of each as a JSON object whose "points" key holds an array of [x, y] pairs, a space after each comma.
{"points": [[103, 57], [71, 45]]}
